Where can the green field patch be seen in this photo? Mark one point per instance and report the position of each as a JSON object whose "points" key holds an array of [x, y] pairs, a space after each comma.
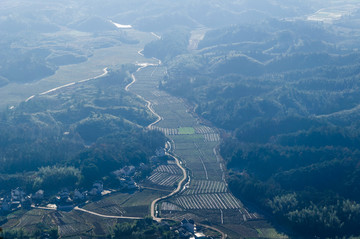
{"points": [[186, 130], [186, 139], [270, 233]]}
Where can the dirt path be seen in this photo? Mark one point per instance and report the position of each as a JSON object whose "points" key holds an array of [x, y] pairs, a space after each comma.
{"points": [[148, 103], [105, 72], [223, 235], [153, 211], [106, 216], [178, 163]]}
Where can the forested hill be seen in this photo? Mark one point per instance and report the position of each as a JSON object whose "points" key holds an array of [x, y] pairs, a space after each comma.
{"points": [[72, 137], [287, 94]]}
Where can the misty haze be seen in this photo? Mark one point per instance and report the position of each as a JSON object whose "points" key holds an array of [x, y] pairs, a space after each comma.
{"points": [[179, 119]]}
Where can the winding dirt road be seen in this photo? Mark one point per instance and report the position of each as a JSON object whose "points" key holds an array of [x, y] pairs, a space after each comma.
{"points": [[153, 211], [148, 103], [106, 216], [105, 72], [159, 118]]}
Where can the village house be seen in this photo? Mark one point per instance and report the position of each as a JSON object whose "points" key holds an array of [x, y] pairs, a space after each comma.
{"points": [[64, 202], [128, 183], [17, 194], [17, 197], [183, 233], [38, 196], [79, 196], [64, 194], [66, 205], [188, 225], [97, 189], [188, 230]]}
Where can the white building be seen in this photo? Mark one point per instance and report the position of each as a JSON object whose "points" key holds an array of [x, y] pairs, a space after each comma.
{"points": [[39, 195], [17, 194], [97, 188]]}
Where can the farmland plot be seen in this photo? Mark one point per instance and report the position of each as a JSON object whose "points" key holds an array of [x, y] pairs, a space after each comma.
{"points": [[166, 175], [109, 209], [248, 215], [212, 137], [166, 131], [203, 186], [125, 204], [209, 134], [28, 220], [186, 130], [204, 130], [171, 169], [209, 201], [198, 156], [164, 179], [166, 206], [70, 229], [76, 223]]}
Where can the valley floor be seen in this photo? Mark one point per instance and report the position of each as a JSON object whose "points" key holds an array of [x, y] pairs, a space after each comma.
{"points": [[202, 196], [205, 197]]}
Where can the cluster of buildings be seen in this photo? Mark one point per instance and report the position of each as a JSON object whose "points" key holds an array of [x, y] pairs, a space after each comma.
{"points": [[188, 230], [126, 177], [64, 200], [16, 199]]}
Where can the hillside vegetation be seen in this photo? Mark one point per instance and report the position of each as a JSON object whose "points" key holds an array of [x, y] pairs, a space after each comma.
{"points": [[74, 136], [280, 79], [286, 95]]}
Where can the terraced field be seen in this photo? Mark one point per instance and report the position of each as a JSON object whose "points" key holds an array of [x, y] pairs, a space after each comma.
{"points": [[205, 196], [204, 186], [125, 204], [208, 201], [166, 175], [70, 224]]}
